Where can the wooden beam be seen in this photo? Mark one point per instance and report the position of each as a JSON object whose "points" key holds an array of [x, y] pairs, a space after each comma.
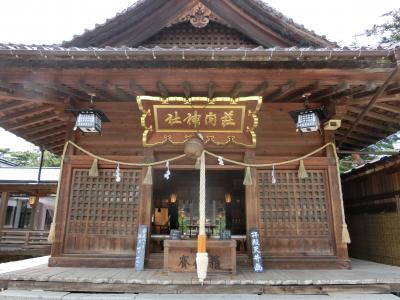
{"points": [[359, 138], [162, 89], [12, 105], [211, 89], [358, 144], [371, 114], [136, 89], [395, 86], [369, 87], [55, 137], [370, 124], [54, 143], [370, 104], [41, 128], [282, 91], [297, 96], [372, 133], [260, 89], [365, 100], [24, 113], [31, 122], [39, 89], [47, 134], [17, 92], [121, 94], [67, 91], [340, 88], [388, 107], [92, 90], [186, 89], [235, 91]]}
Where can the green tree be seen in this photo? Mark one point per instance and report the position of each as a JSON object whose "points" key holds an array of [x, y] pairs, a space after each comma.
{"points": [[389, 35], [389, 31], [30, 158]]}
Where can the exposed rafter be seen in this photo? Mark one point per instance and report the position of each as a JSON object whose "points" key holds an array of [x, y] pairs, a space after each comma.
{"points": [[331, 91], [236, 89], [34, 111], [260, 89], [31, 121], [162, 89], [186, 89], [370, 104], [211, 89]]}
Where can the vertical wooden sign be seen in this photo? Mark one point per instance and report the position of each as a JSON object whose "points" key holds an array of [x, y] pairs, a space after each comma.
{"points": [[140, 248], [256, 250]]}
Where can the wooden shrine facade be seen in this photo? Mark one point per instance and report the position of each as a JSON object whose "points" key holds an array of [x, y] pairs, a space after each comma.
{"points": [[208, 49]]}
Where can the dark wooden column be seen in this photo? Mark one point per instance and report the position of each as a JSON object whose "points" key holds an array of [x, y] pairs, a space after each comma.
{"points": [[336, 202], [251, 198], [146, 199], [3, 209], [63, 201]]}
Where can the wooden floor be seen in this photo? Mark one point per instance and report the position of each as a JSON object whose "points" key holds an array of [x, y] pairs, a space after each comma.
{"points": [[365, 277]]}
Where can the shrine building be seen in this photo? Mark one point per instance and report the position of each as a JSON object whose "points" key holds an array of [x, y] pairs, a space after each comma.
{"points": [[271, 102]]}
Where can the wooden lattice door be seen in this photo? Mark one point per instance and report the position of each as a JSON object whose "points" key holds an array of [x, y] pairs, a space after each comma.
{"points": [[103, 214], [294, 214]]}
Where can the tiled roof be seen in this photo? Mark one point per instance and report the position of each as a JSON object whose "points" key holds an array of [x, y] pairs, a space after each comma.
{"points": [[56, 51]]}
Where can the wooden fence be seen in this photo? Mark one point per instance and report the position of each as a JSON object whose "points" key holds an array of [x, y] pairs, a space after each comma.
{"points": [[24, 237]]}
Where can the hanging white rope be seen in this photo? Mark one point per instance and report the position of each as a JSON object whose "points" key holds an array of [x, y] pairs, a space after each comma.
{"points": [[202, 255]]}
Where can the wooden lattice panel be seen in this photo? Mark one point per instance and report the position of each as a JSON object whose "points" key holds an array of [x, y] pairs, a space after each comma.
{"points": [[103, 213], [294, 213], [184, 35]]}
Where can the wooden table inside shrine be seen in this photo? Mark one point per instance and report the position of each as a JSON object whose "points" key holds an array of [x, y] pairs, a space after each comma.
{"points": [[180, 255]]}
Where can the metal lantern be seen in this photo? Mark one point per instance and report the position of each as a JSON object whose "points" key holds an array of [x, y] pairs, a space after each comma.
{"points": [[89, 121], [307, 120]]}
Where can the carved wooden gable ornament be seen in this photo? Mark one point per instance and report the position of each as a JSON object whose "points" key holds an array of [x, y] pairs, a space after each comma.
{"points": [[220, 120]]}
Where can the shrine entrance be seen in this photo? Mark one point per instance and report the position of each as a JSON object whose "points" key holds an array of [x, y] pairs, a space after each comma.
{"points": [[175, 206]]}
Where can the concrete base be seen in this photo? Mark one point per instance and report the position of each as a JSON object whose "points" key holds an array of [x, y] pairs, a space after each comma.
{"points": [[25, 295]]}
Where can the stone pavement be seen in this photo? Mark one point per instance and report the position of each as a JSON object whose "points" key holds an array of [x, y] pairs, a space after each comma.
{"points": [[25, 295]]}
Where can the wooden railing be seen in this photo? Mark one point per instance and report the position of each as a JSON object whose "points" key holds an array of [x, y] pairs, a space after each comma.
{"points": [[24, 237]]}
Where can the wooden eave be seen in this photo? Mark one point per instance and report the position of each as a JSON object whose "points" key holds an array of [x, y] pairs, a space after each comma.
{"points": [[38, 83], [389, 164], [40, 189], [252, 18]]}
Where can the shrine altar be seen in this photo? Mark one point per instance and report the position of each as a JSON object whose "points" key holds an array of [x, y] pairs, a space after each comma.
{"points": [[180, 255]]}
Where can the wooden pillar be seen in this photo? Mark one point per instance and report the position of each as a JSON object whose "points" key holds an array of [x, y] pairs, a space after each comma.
{"points": [[251, 199], [146, 199], [60, 213], [17, 214], [3, 209], [336, 201]]}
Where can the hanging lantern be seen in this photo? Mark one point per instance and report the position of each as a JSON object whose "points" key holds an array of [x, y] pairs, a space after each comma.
{"points": [[32, 200], [194, 147], [308, 120], [173, 198], [89, 120], [228, 198]]}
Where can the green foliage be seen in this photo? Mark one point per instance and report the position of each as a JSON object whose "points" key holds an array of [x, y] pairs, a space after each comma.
{"points": [[30, 158], [348, 163], [389, 31]]}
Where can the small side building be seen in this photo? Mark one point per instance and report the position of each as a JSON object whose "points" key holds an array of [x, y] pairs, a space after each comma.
{"points": [[26, 210], [372, 204]]}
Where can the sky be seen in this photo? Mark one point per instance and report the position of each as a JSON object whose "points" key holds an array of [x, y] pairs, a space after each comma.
{"points": [[54, 21]]}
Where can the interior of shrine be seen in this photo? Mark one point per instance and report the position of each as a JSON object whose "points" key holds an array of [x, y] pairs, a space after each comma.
{"points": [[176, 202]]}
